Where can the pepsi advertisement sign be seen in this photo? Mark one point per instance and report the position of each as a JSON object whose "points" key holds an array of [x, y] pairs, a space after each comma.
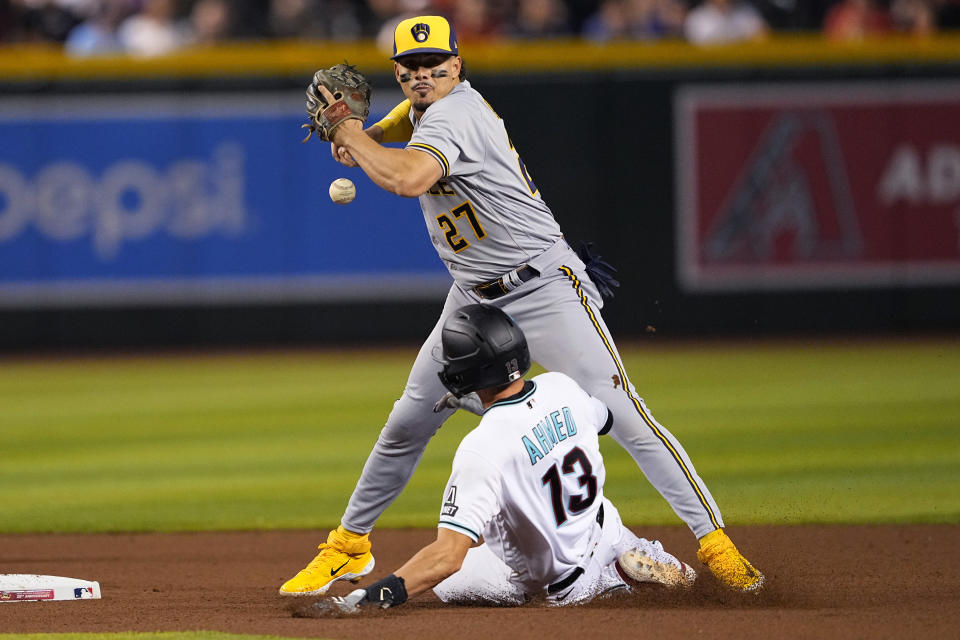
{"points": [[116, 200]]}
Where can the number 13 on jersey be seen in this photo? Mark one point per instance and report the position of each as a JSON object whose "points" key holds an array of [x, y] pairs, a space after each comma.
{"points": [[586, 480]]}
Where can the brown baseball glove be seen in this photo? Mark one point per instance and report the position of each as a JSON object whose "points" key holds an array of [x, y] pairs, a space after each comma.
{"points": [[351, 100]]}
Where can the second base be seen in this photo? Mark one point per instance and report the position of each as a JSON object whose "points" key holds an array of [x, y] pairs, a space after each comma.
{"points": [[24, 587]]}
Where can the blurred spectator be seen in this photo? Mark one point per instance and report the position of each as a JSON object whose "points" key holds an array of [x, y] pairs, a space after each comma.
{"points": [[635, 19], [315, 19], [578, 11], [914, 17], [719, 21], [211, 21], [655, 18], [474, 20], [97, 35], [608, 23], [387, 14], [153, 27], [855, 20], [295, 19], [539, 19], [155, 31]]}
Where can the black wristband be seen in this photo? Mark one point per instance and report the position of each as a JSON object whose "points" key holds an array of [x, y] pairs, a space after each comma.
{"points": [[388, 592]]}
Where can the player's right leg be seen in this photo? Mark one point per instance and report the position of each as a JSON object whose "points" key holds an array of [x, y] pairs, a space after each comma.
{"points": [[645, 561], [347, 553], [622, 560]]}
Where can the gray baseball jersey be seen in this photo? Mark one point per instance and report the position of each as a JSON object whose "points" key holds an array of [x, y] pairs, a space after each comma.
{"points": [[485, 216], [487, 219]]}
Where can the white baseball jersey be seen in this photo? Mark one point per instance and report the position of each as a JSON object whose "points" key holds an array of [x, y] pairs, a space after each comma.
{"points": [[485, 216], [529, 478]]}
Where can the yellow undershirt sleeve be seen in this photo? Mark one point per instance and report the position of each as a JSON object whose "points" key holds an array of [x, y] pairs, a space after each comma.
{"points": [[396, 125]]}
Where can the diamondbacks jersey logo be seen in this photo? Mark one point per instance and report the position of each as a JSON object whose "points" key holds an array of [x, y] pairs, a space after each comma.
{"points": [[450, 507], [420, 32]]}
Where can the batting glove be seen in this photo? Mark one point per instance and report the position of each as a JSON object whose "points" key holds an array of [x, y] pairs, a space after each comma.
{"points": [[383, 594], [723, 559], [348, 604]]}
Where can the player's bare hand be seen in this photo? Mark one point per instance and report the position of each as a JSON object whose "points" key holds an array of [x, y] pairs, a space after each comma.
{"points": [[341, 155]]}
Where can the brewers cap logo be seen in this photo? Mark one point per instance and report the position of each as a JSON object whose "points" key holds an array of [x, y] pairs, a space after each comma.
{"points": [[424, 34], [420, 32]]}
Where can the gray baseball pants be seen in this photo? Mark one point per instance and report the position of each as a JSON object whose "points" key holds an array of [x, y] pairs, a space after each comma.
{"points": [[559, 313]]}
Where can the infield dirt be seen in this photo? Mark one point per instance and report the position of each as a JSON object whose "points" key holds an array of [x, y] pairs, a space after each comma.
{"points": [[877, 581]]}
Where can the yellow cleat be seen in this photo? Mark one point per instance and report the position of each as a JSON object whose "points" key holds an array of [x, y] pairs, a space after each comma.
{"points": [[718, 552], [344, 556]]}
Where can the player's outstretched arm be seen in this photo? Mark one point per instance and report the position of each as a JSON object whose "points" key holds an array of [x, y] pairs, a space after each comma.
{"points": [[435, 562], [428, 568], [403, 172]]}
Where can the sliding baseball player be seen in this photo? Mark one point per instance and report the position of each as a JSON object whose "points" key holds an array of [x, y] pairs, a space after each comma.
{"points": [[529, 479]]}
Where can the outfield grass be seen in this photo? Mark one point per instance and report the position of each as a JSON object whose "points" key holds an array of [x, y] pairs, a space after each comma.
{"points": [[782, 433]]}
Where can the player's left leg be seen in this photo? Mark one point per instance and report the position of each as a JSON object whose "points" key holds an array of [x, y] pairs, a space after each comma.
{"points": [[483, 578]]}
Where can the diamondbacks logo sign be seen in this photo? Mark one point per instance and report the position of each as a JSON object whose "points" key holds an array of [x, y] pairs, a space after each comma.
{"points": [[791, 199], [814, 186]]}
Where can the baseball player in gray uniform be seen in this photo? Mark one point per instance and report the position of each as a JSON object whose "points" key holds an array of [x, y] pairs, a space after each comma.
{"points": [[529, 479], [503, 247]]}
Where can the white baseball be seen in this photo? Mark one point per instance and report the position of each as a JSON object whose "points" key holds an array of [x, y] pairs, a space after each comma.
{"points": [[342, 191]]}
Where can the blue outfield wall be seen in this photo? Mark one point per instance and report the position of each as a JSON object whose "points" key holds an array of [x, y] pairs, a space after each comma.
{"points": [[193, 197]]}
